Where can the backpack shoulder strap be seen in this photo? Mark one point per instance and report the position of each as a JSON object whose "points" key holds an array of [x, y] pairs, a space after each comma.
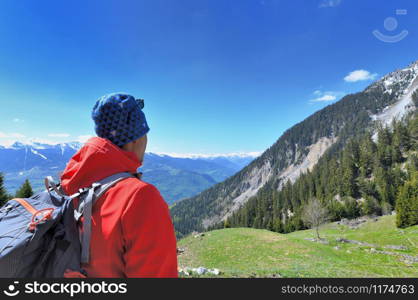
{"points": [[110, 181], [86, 203]]}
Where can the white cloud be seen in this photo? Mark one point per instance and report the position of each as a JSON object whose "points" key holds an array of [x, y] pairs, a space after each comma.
{"points": [[83, 138], [329, 3], [11, 135], [17, 120], [17, 135], [360, 75], [6, 143], [40, 141], [325, 96], [199, 155], [8, 139], [61, 135]]}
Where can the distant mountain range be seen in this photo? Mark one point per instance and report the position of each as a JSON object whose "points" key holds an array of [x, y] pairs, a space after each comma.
{"points": [[175, 177]]}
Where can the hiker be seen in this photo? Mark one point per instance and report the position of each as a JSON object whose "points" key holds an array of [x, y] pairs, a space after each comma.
{"points": [[132, 234]]}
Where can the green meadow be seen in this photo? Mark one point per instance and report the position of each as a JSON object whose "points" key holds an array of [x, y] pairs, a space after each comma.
{"points": [[247, 252]]}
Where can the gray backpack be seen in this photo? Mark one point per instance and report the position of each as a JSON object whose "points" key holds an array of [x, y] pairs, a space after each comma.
{"points": [[39, 236]]}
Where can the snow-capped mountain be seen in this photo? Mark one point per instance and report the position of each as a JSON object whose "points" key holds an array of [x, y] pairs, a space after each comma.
{"points": [[401, 85], [176, 177], [235, 161], [20, 157]]}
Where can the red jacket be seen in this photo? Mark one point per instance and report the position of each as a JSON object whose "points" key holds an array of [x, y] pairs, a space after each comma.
{"points": [[132, 232]]}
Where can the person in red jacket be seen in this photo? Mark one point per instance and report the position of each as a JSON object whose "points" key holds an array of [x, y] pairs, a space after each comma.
{"points": [[132, 231]]}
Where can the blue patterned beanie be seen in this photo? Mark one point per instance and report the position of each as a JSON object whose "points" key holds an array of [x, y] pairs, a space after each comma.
{"points": [[119, 118]]}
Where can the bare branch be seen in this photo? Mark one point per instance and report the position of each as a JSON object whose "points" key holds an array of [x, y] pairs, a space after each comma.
{"points": [[315, 214]]}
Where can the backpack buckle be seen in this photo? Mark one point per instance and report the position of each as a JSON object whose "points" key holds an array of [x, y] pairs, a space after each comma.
{"points": [[77, 215], [39, 217], [50, 184]]}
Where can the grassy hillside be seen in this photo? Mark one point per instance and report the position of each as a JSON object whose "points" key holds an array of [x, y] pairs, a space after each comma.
{"points": [[246, 252]]}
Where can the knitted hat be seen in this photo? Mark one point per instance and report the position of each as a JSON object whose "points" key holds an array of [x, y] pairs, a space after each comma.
{"points": [[119, 118]]}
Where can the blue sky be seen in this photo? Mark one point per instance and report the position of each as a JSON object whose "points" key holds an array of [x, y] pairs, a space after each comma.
{"points": [[218, 76]]}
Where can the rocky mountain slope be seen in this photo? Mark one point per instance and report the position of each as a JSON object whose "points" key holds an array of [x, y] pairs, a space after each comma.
{"points": [[300, 147]]}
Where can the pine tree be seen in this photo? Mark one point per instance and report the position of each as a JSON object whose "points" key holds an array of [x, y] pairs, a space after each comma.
{"points": [[396, 149], [415, 98], [384, 185], [25, 190], [352, 209], [371, 206], [336, 210], [407, 204], [366, 155], [400, 140], [3, 194], [386, 208], [277, 225], [384, 153], [257, 222], [412, 167], [413, 131], [349, 170]]}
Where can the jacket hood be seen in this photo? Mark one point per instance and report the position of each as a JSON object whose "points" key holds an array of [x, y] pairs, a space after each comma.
{"points": [[97, 159]]}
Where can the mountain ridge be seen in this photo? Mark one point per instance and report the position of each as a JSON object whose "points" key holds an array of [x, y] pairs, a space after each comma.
{"points": [[338, 121]]}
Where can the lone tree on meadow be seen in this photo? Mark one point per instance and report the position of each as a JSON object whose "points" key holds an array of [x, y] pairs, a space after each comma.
{"points": [[314, 215]]}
